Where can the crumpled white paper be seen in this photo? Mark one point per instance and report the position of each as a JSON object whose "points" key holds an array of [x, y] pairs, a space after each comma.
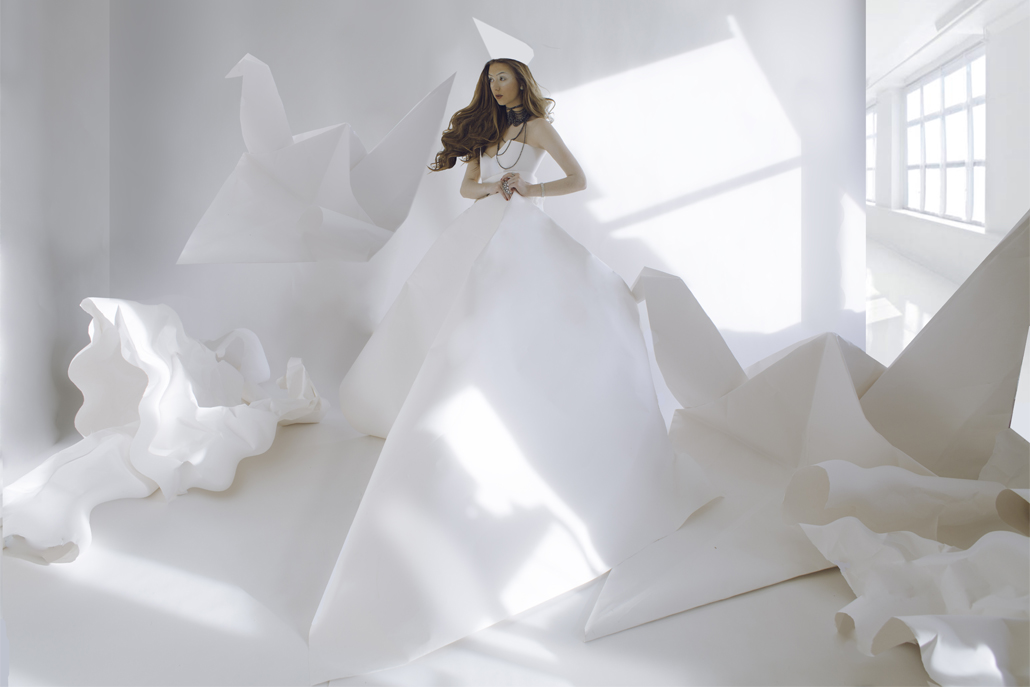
{"points": [[160, 411], [316, 195], [912, 588], [914, 463]]}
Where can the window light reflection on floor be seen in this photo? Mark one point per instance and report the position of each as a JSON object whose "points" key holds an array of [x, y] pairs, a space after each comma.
{"points": [[166, 589], [506, 483]]}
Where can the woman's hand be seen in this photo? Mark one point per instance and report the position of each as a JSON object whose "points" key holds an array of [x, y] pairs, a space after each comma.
{"points": [[515, 185], [496, 187]]}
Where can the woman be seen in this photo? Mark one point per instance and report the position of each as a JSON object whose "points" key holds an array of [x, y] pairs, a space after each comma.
{"points": [[525, 453]]}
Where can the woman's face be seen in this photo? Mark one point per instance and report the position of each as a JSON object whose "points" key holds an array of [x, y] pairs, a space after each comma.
{"points": [[504, 85]]}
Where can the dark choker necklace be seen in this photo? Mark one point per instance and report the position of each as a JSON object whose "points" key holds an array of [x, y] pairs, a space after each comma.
{"points": [[516, 117]]}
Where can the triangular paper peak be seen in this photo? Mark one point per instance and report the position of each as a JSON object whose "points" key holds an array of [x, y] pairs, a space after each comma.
{"points": [[500, 45]]}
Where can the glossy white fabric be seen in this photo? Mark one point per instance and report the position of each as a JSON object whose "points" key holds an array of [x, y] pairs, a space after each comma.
{"points": [[525, 452], [160, 410], [316, 195]]}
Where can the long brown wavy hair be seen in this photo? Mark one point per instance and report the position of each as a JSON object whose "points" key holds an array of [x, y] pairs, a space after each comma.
{"points": [[481, 124]]}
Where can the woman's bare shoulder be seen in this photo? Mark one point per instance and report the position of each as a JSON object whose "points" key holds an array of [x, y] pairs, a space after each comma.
{"points": [[540, 132]]}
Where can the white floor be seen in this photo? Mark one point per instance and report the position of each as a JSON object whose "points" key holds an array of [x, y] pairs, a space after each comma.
{"points": [[219, 588]]}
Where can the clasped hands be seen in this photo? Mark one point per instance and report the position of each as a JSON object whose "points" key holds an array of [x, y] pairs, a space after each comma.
{"points": [[510, 184]]}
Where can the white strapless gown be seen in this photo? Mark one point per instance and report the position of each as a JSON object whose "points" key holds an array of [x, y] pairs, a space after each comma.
{"points": [[525, 452]]}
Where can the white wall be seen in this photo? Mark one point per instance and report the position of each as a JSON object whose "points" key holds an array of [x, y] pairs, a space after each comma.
{"points": [[748, 139], [1008, 123], [944, 247], [54, 100]]}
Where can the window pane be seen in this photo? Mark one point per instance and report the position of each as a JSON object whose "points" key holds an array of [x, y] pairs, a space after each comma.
{"points": [[932, 97], [933, 191], [912, 106], [870, 185], [870, 153], [956, 201], [979, 76], [979, 133], [933, 141], [955, 87], [914, 196], [979, 196], [914, 150], [956, 136], [870, 123]]}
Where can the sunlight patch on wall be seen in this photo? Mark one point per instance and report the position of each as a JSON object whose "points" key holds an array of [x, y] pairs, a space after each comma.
{"points": [[739, 252], [651, 134]]}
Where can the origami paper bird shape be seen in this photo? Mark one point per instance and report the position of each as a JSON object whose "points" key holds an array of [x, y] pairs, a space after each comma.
{"points": [[312, 196], [907, 477]]}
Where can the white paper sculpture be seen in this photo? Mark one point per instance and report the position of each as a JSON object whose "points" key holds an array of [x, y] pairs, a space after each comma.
{"points": [[967, 609], [951, 390], [501, 45], [160, 411], [525, 453], [793, 444], [316, 195], [801, 410]]}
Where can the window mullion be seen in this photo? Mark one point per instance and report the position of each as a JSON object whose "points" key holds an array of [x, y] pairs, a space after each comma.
{"points": [[943, 189], [969, 141]]}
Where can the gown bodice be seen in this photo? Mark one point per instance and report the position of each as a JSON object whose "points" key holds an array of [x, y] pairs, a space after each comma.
{"points": [[526, 165]]}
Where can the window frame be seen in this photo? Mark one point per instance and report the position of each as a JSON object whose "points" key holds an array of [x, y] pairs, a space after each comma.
{"points": [[969, 162], [870, 166]]}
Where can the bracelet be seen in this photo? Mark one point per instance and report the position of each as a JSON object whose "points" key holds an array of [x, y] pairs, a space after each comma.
{"points": [[542, 194]]}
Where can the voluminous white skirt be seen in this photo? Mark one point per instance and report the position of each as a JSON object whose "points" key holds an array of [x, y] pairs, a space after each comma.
{"points": [[525, 453]]}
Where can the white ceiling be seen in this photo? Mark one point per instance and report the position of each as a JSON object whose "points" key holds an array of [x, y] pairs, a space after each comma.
{"points": [[902, 36]]}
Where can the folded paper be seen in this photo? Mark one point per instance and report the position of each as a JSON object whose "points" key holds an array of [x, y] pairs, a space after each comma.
{"points": [[800, 410], [952, 389], [525, 453], [912, 588], [160, 411], [316, 195], [822, 443]]}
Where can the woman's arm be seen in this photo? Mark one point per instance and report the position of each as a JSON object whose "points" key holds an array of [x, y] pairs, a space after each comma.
{"points": [[542, 135], [470, 186]]}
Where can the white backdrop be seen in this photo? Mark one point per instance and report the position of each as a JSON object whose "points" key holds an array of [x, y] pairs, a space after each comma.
{"points": [[723, 141]]}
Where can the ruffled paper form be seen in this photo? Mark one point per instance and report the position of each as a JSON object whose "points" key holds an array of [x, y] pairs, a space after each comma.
{"points": [[805, 439], [160, 411], [316, 195], [966, 608]]}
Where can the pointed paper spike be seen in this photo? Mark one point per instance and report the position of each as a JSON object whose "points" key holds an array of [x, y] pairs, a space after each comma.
{"points": [[262, 115], [385, 181], [501, 45], [695, 361], [951, 390]]}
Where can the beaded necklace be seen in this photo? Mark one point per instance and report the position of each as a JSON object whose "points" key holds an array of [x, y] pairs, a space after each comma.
{"points": [[514, 119]]}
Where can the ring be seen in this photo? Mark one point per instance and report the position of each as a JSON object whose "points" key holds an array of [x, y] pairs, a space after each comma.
{"points": [[504, 185]]}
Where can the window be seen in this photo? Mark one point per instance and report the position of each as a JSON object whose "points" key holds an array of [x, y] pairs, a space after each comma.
{"points": [[870, 154], [946, 131]]}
